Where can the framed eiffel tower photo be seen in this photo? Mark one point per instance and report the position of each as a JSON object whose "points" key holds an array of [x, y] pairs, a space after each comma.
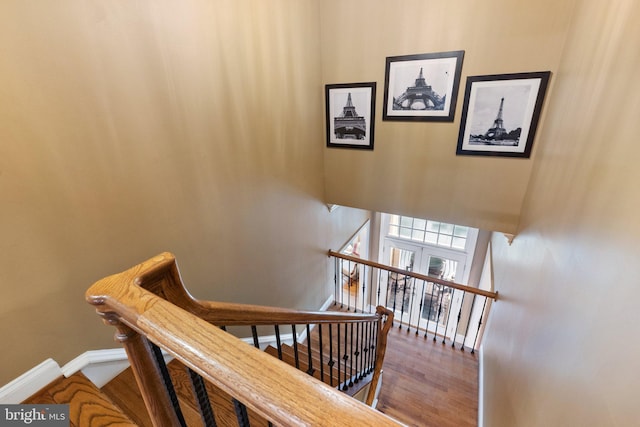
{"points": [[422, 87], [350, 109], [500, 114]]}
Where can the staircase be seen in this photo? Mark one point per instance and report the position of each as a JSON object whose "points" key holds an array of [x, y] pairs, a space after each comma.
{"points": [[215, 378], [120, 402], [88, 406]]}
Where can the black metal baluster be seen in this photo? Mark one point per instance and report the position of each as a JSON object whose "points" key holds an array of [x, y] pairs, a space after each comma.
{"points": [[357, 353], [349, 287], [363, 353], [341, 274], [372, 336], [464, 340], [446, 325], [361, 328], [168, 384], [331, 361], [420, 309], [411, 300], [439, 313], [339, 355], [404, 293], [351, 360], [364, 269], [345, 358], [379, 286], [241, 413], [321, 352], [371, 290], [473, 349], [365, 348], [455, 332], [295, 346], [278, 342], [335, 281], [199, 389], [394, 286], [386, 296], [310, 369], [254, 334], [374, 340], [430, 307]]}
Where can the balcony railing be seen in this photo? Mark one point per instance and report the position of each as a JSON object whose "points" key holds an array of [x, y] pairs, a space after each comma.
{"points": [[439, 309]]}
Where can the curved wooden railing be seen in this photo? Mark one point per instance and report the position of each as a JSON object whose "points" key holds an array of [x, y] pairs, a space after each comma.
{"points": [[454, 285], [151, 310], [409, 294]]}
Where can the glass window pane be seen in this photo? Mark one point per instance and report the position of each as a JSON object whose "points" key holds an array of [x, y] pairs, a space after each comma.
{"points": [[459, 243], [393, 230], [446, 228], [460, 231], [418, 235], [405, 233], [394, 219], [431, 238], [406, 221], [433, 226], [419, 224], [444, 240]]}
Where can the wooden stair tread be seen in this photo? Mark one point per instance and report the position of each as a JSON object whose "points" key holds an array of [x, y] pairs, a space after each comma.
{"points": [[88, 406], [288, 356]]}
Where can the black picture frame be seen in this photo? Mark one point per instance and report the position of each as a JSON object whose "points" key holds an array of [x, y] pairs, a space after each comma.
{"points": [[500, 114], [422, 87], [350, 115]]}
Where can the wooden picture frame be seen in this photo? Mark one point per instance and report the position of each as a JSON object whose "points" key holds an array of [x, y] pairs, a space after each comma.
{"points": [[422, 87], [500, 114], [350, 115]]}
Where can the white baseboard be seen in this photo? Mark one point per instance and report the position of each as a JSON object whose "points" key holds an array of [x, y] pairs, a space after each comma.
{"points": [[327, 303], [30, 382], [100, 366]]}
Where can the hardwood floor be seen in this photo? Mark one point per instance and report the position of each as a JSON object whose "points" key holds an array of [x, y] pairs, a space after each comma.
{"points": [[426, 383]]}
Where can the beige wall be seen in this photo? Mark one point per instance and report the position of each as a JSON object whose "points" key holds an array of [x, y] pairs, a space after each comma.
{"points": [[413, 168], [130, 128], [562, 348]]}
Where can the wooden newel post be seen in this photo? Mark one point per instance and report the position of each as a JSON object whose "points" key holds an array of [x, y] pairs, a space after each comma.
{"points": [[146, 371], [381, 348]]}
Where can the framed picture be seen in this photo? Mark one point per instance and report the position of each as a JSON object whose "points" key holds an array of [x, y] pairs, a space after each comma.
{"points": [[350, 115], [500, 114], [422, 87]]}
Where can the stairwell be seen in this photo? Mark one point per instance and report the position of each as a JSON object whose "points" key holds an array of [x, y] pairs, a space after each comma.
{"points": [[120, 402]]}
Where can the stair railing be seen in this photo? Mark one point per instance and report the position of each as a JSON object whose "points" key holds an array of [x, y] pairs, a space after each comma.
{"points": [[152, 312], [429, 305]]}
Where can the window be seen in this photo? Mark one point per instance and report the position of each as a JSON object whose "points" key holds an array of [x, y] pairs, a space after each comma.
{"points": [[430, 232]]}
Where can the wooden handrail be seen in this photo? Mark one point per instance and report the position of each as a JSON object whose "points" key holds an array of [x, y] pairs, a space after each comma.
{"points": [[160, 275], [476, 291], [274, 390]]}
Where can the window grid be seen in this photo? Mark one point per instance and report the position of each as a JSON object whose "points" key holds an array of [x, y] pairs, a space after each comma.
{"points": [[426, 231]]}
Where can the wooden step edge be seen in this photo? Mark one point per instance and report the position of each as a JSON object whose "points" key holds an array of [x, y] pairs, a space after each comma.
{"points": [[289, 358], [355, 383], [88, 406], [124, 391]]}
